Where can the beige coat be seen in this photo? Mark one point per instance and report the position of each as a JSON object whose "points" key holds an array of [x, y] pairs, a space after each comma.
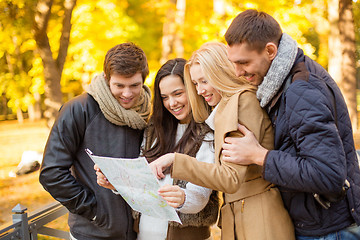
{"points": [[253, 208]]}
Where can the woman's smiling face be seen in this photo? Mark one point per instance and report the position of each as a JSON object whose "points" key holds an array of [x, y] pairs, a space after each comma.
{"points": [[203, 88], [174, 97]]}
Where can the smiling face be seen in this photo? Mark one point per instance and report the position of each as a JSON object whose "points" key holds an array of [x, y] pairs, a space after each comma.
{"points": [[174, 97], [126, 90], [203, 88], [250, 63]]}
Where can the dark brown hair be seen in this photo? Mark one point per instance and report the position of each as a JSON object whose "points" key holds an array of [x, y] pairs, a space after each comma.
{"points": [[162, 127], [125, 59], [255, 28]]}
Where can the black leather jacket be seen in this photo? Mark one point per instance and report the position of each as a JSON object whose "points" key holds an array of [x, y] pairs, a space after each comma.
{"points": [[67, 172]]}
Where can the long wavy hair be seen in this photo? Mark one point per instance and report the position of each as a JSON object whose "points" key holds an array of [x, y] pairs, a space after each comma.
{"points": [[161, 132]]}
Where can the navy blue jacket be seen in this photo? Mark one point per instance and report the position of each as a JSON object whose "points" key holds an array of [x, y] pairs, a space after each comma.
{"points": [[314, 150], [81, 125]]}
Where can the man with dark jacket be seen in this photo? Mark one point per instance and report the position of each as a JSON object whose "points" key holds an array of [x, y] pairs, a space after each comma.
{"points": [[109, 120], [314, 162]]}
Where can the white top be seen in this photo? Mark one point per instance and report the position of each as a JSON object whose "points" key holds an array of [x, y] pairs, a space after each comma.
{"points": [[196, 197]]}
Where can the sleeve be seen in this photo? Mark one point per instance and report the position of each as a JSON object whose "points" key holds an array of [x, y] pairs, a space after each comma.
{"points": [[196, 197], [225, 177], [319, 163], [60, 151]]}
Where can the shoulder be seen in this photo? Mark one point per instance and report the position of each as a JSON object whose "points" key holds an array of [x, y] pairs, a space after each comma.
{"points": [[80, 108], [242, 97], [83, 100], [248, 100]]}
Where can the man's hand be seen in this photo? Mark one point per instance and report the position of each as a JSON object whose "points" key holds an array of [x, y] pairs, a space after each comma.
{"points": [[173, 195], [161, 164], [101, 179], [243, 150]]}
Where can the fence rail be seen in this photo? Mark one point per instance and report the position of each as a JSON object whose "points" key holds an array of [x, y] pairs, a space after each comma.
{"points": [[28, 227]]}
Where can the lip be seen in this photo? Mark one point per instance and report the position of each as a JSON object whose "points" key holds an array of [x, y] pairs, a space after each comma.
{"points": [[177, 110], [208, 97], [250, 78], [127, 100]]}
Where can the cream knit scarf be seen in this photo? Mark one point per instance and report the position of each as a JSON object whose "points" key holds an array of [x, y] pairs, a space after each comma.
{"points": [[135, 117], [279, 69]]}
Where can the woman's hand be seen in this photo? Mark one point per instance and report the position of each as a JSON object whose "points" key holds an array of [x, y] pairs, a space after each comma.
{"points": [[161, 164], [173, 195], [101, 179]]}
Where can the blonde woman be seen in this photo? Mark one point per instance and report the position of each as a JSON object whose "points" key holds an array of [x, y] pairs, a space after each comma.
{"points": [[253, 208]]}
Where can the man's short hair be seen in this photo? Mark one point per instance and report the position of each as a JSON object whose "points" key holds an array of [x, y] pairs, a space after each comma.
{"points": [[255, 28], [125, 59]]}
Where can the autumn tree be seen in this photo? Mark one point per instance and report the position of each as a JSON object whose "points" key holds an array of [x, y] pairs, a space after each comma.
{"points": [[53, 67], [172, 39], [342, 49], [19, 82]]}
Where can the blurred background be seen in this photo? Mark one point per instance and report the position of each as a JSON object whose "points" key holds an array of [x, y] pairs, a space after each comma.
{"points": [[50, 50]]}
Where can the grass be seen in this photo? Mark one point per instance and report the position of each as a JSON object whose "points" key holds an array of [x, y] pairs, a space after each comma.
{"points": [[16, 138]]}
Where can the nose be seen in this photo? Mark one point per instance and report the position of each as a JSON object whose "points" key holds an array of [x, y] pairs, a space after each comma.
{"points": [[200, 90], [239, 71], [172, 102], [127, 93]]}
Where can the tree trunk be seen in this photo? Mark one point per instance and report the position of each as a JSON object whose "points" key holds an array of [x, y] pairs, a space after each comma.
{"points": [[219, 7], [342, 59], [52, 68], [348, 64], [335, 52], [173, 34], [37, 106], [31, 112], [19, 115]]}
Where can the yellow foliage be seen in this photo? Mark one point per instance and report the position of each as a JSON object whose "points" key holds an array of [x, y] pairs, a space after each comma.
{"points": [[28, 45], [99, 25]]}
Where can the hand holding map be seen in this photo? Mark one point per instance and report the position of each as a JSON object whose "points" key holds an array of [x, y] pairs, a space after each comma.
{"points": [[135, 182]]}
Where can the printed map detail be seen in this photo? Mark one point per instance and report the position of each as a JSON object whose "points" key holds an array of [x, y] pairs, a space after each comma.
{"points": [[134, 180]]}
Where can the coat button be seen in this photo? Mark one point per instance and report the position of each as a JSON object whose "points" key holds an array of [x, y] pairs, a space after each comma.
{"points": [[352, 210]]}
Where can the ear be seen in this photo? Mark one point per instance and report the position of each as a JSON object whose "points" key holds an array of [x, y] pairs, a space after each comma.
{"points": [[271, 50]]}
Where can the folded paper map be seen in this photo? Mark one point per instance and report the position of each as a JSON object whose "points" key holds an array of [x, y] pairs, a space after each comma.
{"points": [[136, 183]]}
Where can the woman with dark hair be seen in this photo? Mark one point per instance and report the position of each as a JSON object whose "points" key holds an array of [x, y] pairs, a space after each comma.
{"points": [[171, 128]]}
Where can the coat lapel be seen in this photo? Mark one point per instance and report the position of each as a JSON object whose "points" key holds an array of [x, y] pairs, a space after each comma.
{"points": [[226, 120]]}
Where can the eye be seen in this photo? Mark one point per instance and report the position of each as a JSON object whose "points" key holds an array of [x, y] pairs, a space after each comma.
{"points": [[204, 81], [242, 63], [195, 83], [135, 85]]}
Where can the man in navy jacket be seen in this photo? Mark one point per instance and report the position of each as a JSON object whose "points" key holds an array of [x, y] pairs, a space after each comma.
{"points": [[314, 162]]}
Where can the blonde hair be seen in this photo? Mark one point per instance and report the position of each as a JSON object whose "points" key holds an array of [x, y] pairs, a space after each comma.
{"points": [[218, 71]]}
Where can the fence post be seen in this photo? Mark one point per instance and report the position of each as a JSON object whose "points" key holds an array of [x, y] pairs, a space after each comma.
{"points": [[20, 215]]}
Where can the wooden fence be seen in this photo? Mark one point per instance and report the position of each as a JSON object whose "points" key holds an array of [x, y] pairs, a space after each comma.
{"points": [[28, 227]]}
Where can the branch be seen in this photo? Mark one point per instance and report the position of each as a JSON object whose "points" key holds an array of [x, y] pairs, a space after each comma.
{"points": [[42, 15], [65, 34]]}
